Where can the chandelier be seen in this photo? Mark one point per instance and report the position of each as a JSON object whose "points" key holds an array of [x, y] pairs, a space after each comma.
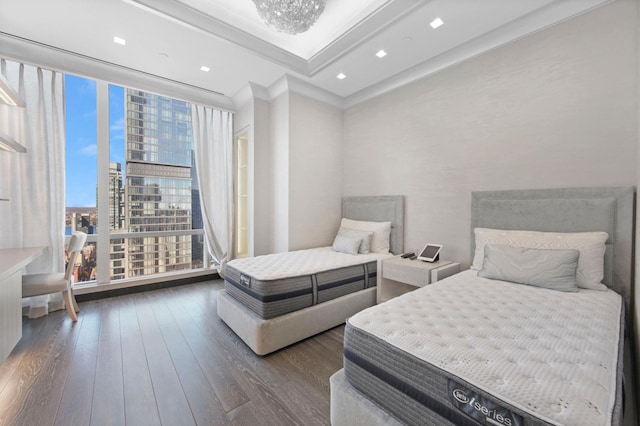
{"points": [[290, 16]]}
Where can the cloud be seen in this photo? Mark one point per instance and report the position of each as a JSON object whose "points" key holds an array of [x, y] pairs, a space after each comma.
{"points": [[89, 150], [117, 125], [116, 131]]}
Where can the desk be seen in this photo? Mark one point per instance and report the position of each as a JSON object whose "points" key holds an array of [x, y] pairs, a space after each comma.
{"points": [[12, 262]]}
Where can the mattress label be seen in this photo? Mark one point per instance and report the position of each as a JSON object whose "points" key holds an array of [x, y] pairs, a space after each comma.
{"points": [[480, 408], [245, 280]]}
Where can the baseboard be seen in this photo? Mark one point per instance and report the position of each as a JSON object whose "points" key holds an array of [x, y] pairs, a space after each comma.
{"points": [[142, 288]]}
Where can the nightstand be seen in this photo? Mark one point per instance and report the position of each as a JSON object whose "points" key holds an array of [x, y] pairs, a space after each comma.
{"points": [[398, 276]]}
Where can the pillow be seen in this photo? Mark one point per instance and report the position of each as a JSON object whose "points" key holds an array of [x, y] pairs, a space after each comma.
{"points": [[591, 246], [552, 269], [346, 244], [381, 232], [365, 238]]}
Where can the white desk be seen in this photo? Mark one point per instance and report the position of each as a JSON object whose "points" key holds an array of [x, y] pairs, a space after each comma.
{"points": [[12, 262]]}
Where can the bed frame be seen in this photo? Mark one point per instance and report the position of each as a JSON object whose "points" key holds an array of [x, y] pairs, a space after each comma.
{"points": [[266, 336], [553, 210]]}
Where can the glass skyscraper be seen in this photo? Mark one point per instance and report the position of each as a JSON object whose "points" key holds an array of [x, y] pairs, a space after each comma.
{"points": [[117, 247], [158, 188], [116, 196]]}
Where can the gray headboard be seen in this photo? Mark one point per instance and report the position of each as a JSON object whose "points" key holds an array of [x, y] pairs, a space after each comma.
{"points": [[381, 208], [567, 210]]}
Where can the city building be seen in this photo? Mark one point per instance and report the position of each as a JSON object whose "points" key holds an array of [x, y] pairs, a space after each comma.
{"points": [[158, 184], [84, 219], [117, 247], [116, 196]]}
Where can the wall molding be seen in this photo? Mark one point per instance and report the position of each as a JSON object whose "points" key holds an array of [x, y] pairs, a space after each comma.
{"points": [[289, 83]]}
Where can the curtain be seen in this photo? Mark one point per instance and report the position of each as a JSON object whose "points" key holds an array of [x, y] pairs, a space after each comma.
{"points": [[34, 182], [213, 147]]}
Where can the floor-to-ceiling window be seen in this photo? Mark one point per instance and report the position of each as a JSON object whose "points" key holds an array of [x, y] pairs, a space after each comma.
{"points": [[131, 181], [82, 169]]}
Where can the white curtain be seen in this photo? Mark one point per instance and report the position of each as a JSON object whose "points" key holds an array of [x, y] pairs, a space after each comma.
{"points": [[213, 146], [34, 182]]}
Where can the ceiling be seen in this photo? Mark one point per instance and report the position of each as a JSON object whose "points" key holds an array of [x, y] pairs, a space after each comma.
{"points": [[173, 39]]}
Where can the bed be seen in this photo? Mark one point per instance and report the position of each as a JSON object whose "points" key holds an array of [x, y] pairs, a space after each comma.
{"points": [[472, 349], [276, 300]]}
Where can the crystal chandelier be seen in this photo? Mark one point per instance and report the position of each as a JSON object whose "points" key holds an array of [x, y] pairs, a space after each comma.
{"points": [[290, 16]]}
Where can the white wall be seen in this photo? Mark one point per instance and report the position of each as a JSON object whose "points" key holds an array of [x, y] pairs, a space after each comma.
{"points": [[315, 172], [262, 180], [279, 127], [253, 115], [306, 143], [296, 165], [556, 109]]}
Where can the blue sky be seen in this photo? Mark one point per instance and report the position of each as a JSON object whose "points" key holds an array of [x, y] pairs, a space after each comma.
{"points": [[81, 131]]}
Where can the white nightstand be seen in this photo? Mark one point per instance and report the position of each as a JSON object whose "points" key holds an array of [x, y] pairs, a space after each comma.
{"points": [[398, 276]]}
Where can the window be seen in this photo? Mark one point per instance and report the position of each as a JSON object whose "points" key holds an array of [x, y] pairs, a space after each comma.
{"points": [[142, 180], [81, 169]]}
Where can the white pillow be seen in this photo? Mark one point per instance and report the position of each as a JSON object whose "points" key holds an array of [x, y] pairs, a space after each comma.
{"points": [[591, 246], [365, 238], [346, 244], [381, 232]]}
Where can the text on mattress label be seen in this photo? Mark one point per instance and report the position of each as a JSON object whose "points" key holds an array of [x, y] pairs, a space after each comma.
{"points": [[245, 280], [481, 408]]}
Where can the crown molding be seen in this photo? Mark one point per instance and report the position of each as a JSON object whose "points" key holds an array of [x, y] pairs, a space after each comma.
{"points": [[285, 84], [192, 19], [376, 22], [248, 93], [289, 83]]}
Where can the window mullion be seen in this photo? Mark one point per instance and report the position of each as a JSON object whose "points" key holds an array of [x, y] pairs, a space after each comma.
{"points": [[102, 191]]}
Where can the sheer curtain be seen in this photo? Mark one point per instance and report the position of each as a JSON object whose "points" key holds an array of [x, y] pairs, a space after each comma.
{"points": [[34, 182], [213, 146]]}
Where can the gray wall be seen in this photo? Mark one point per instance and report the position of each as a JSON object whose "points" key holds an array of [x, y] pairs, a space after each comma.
{"points": [[555, 109]]}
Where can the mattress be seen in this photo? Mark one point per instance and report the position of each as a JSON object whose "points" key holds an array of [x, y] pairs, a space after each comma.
{"points": [[277, 284], [469, 350]]}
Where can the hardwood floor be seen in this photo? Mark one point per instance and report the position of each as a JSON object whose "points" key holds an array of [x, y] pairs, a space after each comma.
{"points": [[161, 357]]}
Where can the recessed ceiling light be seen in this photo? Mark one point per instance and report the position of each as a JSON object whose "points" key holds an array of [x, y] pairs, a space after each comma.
{"points": [[204, 68], [119, 40], [436, 23], [341, 76], [381, 53]]}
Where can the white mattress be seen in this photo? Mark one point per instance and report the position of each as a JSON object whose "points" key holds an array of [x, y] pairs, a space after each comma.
{"points": [[302, 262], [549, 353]]}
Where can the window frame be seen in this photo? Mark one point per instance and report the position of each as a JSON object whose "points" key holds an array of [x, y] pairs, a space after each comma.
{"points": [[103, 239]]}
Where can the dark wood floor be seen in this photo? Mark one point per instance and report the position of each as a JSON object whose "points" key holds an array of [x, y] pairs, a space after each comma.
{"points": [[161, 357]]}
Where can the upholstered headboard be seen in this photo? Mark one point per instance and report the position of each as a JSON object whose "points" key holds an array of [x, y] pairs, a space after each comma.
{"points": [[567, 210], [380, 208]]}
